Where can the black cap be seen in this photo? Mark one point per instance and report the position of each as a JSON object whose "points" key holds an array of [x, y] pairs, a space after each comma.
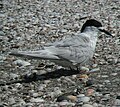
{"points": [[91, 22]]}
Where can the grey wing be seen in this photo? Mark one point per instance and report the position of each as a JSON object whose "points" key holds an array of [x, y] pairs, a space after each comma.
{"points": [[75, 54], [75, 49]]}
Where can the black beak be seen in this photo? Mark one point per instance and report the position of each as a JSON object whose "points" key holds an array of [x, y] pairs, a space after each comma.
{"points": [[103, 30]]}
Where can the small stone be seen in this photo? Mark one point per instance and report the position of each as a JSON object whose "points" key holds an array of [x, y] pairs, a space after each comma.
{"points": [[113, 74], [107, 81], [42, 87], [117, 103], [72, 98], [13, 76], [87, 105], [94, 65], [69, 80], [107, 96], [80, 95], [21, 102], [90, 92], [35, 95], [2, 33], [118, 97], [21, 63], [98, 94], [83, 76], [66, 103], [89, 83], [47, 81], [104, 76], [95, 70], [42, 72], [95, 105], [11, 100], [18, 85], [67, 97], [82, 98], [84, 69], [36, 100], [63, 30]]}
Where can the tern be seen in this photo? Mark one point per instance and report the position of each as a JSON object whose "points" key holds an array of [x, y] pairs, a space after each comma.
{"points": [[73, 51]]}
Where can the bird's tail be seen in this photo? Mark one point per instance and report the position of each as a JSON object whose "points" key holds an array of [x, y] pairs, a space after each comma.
{"points": [[41, 54]]}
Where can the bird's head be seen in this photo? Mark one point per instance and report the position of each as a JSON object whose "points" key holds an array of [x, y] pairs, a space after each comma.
{"points": [[94, 23]]}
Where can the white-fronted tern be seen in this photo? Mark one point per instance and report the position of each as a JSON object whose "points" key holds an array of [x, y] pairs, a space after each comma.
{"points": [[73, 51]]}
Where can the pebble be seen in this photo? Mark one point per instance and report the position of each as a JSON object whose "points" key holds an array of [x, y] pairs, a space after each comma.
{"points": [[80, 95], [2, 33], [82, 98], [107, 81], [118, 96], [14, 76], [117, 103], [21, 102], [11, 101], [2, 58], [36, 100], [95, 105], [113, 74], [89, 83], [35, 95], [72, 98], [83, 76], [69, 80], [67, 97], [66, 103], [18, 85], [41, 87], [98, 94], [90, 92], [104, 76], [84, 69], [21, 63], [87, 105], [94, 65], [95, 70]]}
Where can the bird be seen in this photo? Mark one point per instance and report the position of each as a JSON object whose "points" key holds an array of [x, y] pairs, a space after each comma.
{"points": [[73, 51]]}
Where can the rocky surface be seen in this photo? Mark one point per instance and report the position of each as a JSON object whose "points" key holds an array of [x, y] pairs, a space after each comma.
{"points": [[28, 25]]}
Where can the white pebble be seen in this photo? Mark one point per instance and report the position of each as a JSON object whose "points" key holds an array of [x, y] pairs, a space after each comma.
{"points": [[85, 99], [95, 69], [104, 76], [65, 103], [117, 103], [21, 63], [36, 100], [35, 94], [84, 69], [13, 76], [114, 74], [82, 98], [80, 95]]}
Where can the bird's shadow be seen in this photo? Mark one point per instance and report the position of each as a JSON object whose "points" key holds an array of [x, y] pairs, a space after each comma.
{"points": [[50, 75]]}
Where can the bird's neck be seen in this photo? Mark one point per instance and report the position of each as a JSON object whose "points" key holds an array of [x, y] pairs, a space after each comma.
{"points": [[92, 34], [92, 31]]}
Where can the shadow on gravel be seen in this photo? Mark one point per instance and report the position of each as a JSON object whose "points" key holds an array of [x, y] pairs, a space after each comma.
{"points": [[47, 76]]}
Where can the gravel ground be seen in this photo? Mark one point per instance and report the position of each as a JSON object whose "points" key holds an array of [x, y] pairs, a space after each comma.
{"points": [[28, 25]]}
